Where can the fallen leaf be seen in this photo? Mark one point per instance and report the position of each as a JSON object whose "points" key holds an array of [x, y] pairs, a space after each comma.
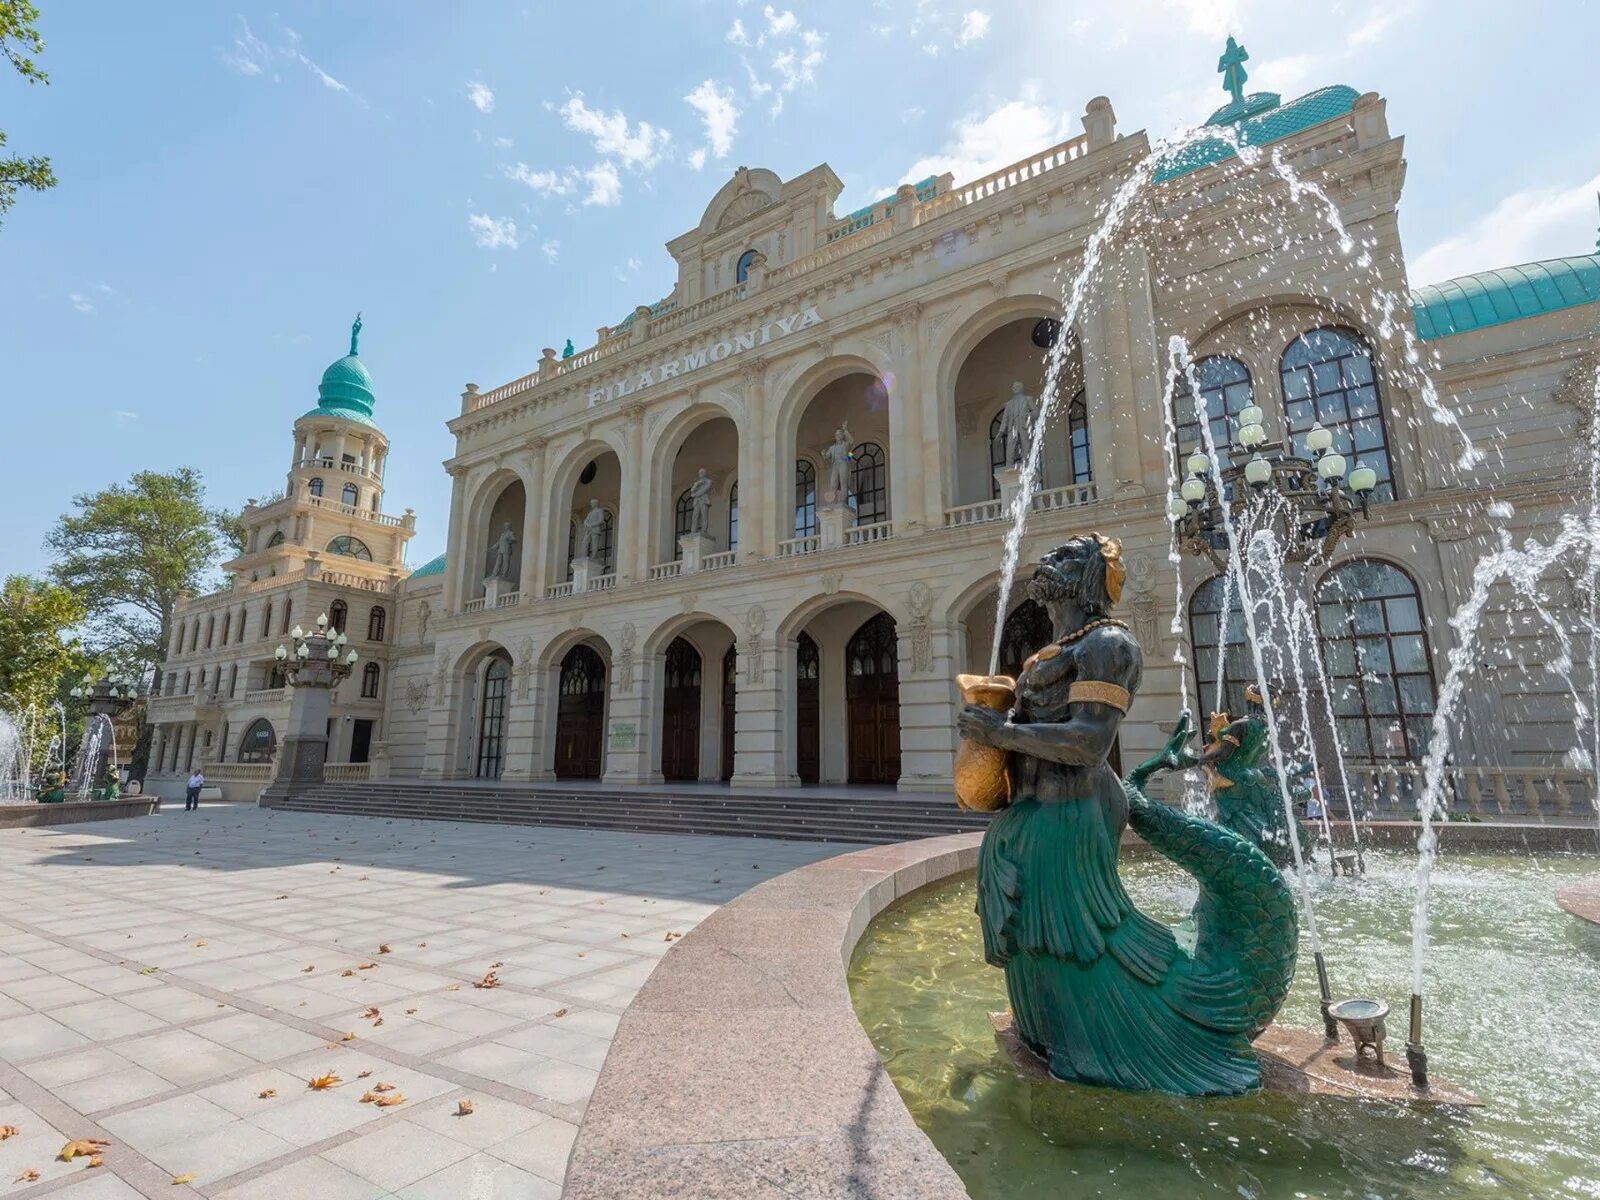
{"points": [[84, 1147], [371, 1012], [409, 1011], [266, 1093], [97, 1161], [422, 945], [368, 1097], [323, 1082], [349, 1037], [383, 948], [463, 1108], [201, 942], [378, 1022], [188, 1177], [149, 970], [347, 972], [383, 1087], [365, 966], [308, 970], [27, 1176], [285, 896], [390, 1100], [495, 966], [363, 1074], [454, 987], [490, 980], [671, 937], [560, 1012], [7, 1131]]}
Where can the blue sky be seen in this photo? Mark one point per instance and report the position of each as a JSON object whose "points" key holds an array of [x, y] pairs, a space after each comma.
{"points": [[237, 182]]}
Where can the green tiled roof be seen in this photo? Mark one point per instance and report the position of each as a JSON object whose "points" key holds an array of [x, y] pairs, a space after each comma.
{"points": [[1262, 129], [434, 566], [1507, 294]]}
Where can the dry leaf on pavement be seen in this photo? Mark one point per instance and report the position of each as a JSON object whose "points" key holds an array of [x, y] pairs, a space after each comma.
{"points": [[366, 966], [383, 1087], [560, 1012], [97, 1161], [390, 1100], [307, 970], [463, 1108], [266, 1093], [187, 1177], [84, 1147], [363, 1074], [27, 1176], [490, 980], [371, 1014], [7, 1131], [323, 1082], [201, 942], [383, 948]]}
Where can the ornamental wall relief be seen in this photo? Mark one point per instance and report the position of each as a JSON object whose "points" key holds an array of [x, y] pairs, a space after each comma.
{"points": [[627, 639], [920, 602], [755, 624]]}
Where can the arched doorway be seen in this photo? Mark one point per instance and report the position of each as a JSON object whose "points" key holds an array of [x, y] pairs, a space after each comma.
{"points": [[808, 693], [1026, 630], [872, 697], [580, 715], [680, 712], [491, 755], [259, 743], [730, 680]]}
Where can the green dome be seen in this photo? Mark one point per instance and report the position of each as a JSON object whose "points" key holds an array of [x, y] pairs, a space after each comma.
{"points": [[345, 392], [1507, 294]]}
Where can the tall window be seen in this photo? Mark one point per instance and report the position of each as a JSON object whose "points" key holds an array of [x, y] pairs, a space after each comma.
{"points": [[244, 619], [1079, 467], [276, 539], [266, 619], [315, 486], [350, 547], [376, 619], [233, 681], [259, 742], [492, 727], [338, 617], [741, 271], [733, 517], [805, 499], [682, 521], [288, 609], [227, 625], [1329, 377], [211, 628], [1379, 671], [870, 482], [369, 681], [1226, 390], [1217, 639], [351, 495]]}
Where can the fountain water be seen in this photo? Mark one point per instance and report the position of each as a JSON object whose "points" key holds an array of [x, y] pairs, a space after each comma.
{"points": [[32, 749]]}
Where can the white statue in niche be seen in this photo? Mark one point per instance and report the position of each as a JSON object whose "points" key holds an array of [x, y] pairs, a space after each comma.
{"points": [[593, 531], [500, 553], [1016, 424], [839, 460], [700, 503]]}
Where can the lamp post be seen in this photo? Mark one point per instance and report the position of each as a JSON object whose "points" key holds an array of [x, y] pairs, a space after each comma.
{"points": [[318, 663], [92, 770]]}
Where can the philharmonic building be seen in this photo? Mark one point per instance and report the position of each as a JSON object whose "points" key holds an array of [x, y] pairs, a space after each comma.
{"points": [[661, 566]]}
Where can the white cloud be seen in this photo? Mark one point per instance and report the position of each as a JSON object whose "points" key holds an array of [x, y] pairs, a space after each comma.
{"points": [[503, 143], [493, 233], [719, 115], [550, 183], [638, 146], [780, 24], [600, 184], [80, 302], [980, 143], [551, 249], [1214, 18], [974, 27], [1534, 223], [481, 96], [605, 186], [123, 414], [799, 66], [252, 55], [736, 33]]}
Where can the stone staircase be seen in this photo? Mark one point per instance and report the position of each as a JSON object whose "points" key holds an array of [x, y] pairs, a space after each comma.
{"points": [[797, 813]]}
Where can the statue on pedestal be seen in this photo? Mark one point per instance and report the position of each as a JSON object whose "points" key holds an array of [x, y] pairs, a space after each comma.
{"points": [[500, 553], [839, 461], [700, 503], [593, 531], [1016, 425], [1100, 991]]}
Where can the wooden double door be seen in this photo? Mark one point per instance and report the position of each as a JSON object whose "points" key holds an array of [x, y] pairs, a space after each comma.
{"points": [[581, 715], [680, 713], [872, 701]]}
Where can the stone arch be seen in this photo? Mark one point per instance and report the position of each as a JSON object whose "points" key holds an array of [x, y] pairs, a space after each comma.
{"points": [[549, 716], [970, 611], [481, 507], [667, 444], [872, 422], [561, 485], [711, 635]]}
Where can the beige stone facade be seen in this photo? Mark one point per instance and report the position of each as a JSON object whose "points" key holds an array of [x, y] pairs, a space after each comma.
{"points": [[802, 636]]}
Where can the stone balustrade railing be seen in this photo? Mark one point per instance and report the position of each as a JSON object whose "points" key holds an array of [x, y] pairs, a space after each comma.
{"points": [[558, 590], [328, 464], [794, 547], [1539, 794], [719, 561], [472, 606], [350, 510], [265, 695], [236, 772], [167, 708], [667, 570], [359, 582], [508, 600], [345, 772], [1047, 500]]}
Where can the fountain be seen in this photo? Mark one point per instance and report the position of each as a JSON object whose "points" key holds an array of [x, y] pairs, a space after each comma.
{"points": [[94, 771]]}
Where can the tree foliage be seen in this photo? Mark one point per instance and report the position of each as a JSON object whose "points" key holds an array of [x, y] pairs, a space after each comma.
{"points": [[130, 550], [39, 649], [19, 42]]}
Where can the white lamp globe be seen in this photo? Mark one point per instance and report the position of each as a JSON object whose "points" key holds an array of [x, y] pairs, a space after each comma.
{"points": [[1250, 414], [302, 651], [1258, 470], [1194, 489], [1198, 463], [280, 653], [297, 633], [350, 659], [341, 638], [1363, 479], [1331, 466], [1252, 435], [322, 620], [1176, 507], [1318, 438]]}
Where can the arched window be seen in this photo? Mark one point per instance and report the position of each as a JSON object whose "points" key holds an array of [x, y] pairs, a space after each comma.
{"points": [[227, 625], [350, 495], [244, 620], [733, 517], [369, 681], [741, 270], [1329, 376], [870, 482], [338, 617], [1214, 638], [288, 609], [1025, 632], [233, 680], [266, 619], [1379, 670], [211, 629], [376, 619], [1080, 469], [1226, 389], [492, 718], [682, 521], [315, 486], [350, 547], [259, 742], [805, 499], [277, 539]]}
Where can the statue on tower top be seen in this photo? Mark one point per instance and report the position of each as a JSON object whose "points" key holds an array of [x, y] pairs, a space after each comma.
{"points": [[1231, 65], [355, 333]]}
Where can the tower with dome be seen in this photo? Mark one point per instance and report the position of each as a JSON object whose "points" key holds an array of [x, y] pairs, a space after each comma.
{"points": [[324, 546]]}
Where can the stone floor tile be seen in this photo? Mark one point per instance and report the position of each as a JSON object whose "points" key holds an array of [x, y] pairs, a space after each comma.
{"points": [[183, 1057], [61, 1069], [311, 1116], [482, 1177], [492, 1120], [35, 1034], [162, 1121], [553, 1040], [99, 1186], [398, 1154], [310, 1179], [236, 1146], [542, 1149], [106, 1018], [112, 1090]]}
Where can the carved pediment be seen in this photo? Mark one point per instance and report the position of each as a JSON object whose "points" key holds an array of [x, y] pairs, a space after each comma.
{"points": [[744, 206]]}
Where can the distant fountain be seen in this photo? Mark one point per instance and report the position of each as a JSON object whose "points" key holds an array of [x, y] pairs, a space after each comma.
{"points": [[32, 749]]}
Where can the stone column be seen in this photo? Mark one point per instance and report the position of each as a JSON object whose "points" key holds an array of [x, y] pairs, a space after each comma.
{"points": [[635, 515], [908, 469], [634, 700], [928, 698], [763, 709], [534, 532], [1124, 379], [158, 747], [758, 453], [458, 563], [439, 755], [522, 741]]}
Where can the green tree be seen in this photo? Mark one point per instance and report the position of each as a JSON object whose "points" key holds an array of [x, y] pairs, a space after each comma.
{"points": [[19, 41], [39, 647], [129, 551]]}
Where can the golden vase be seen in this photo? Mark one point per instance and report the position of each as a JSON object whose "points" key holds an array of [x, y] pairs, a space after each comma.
{"points": [[981, 781]]}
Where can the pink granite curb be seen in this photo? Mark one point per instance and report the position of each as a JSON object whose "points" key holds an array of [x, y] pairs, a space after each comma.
{"points": [[740, 1071]]}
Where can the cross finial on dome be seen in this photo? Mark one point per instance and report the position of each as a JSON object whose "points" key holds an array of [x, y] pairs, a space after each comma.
{"points": [[355, 333], [1231, 65]]}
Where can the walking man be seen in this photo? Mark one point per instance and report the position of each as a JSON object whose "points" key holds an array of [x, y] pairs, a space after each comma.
{"points": [[191, 797]]}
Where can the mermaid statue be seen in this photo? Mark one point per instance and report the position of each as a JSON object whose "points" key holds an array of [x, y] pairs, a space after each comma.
{"points": [[1101, 992]]}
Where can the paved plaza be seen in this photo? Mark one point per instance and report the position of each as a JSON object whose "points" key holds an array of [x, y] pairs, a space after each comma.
{"points": [[172, 984]]}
